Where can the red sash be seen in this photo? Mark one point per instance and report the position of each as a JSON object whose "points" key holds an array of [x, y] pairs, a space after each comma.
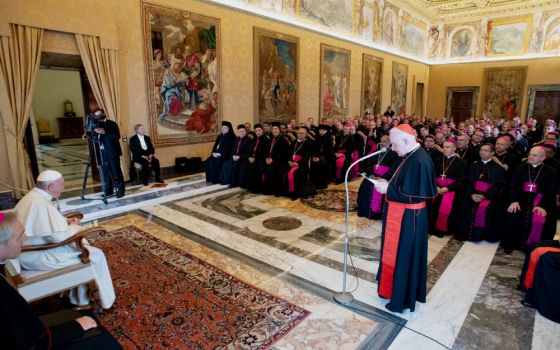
{"points": [[442, 221], [393, 225], [376, 197], [291, 184], [537, 222], [340, 163], [480, 216], [534, 259]]}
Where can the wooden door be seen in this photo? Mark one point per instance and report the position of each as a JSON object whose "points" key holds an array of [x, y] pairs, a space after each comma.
{"points": [[461, 105], [546, 105]]}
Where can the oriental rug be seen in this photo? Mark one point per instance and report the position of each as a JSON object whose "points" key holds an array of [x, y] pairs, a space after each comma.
{"points": [[167, 298], [332, 200]]}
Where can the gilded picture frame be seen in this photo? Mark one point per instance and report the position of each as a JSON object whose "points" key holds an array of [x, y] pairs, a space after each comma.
{"points": [[334, 82], [372, 84], [504, 89], [276, 76], [182, 55], [510, 36]]}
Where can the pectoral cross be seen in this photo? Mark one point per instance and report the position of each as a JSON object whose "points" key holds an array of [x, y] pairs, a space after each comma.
{"points": [[531, 186], [443, 176]]}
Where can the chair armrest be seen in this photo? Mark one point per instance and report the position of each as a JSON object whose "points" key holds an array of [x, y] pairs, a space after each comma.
{"points": [[78, 239], [74, 214]]}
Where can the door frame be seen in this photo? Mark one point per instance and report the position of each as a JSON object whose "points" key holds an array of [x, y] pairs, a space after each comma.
{"points": [[449, 98], [532, 92]]}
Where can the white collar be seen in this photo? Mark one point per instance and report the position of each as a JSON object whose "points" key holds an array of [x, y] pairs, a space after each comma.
{"points": [[486, 161], [43, 193]]}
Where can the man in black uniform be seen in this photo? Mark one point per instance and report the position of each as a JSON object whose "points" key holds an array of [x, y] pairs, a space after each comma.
{"points": [[108, 134]]}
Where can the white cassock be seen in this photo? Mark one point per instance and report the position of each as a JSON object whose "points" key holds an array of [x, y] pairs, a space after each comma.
{"points": [[45, 224]]}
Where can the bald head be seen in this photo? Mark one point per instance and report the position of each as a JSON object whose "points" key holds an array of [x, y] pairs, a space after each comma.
{"points": [[536, 155], [402, 142]]}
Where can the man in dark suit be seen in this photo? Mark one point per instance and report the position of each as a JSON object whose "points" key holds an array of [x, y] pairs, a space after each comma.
{"points": [[108, 134], [143, 153]]}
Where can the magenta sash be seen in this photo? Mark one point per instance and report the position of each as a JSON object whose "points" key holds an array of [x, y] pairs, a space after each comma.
{"points": [[291, 184], [537, 222], [480, 216], [376, 197], [340, 163], [355, 169], [446, 204]]}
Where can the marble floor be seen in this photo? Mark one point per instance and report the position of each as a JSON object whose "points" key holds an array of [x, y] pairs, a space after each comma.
{"points": [[295, 250]]}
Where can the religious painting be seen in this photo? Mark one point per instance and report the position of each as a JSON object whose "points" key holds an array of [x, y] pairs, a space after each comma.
{"points": [[182, 54], [509, 37], [552, 36], [372, 80], [462, 43], [366, 19], [413, 37], [389, 28], [398, 87], [335, 81], [504, 90], [275, 76], [334, 14]]}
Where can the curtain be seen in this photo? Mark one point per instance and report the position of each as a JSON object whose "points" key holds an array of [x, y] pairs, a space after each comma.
{"points": [[20, 55], [102, 71]]}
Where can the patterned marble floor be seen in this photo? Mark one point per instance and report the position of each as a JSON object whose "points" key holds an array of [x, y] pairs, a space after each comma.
{"points": [[296, 251]]}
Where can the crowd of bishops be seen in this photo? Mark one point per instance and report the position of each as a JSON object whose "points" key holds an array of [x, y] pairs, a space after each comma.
{"points": [[496, 178]]}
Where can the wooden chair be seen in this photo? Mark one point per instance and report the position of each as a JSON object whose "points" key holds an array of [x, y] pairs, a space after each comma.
{"points": [[34, 285], [44, 130]]}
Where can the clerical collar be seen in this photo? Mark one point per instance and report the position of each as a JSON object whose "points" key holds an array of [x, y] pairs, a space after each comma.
{"points": [[43, 193], [486, 161], [536, 165], [451, 156], [298, 140]]}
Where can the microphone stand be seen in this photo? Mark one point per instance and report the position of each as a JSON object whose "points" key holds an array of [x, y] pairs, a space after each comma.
{"points": [[345, 297]]}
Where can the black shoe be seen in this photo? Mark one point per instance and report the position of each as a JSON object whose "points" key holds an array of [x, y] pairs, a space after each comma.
{"points": [[160, 181], [120, 195], [508, 251], [145, 183]]}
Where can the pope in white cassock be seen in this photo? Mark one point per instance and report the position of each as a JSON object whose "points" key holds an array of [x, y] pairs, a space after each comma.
{"points": [[45, 224]]}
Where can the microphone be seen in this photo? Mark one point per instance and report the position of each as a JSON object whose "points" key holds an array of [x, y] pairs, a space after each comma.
{"points": [[345, 297]]}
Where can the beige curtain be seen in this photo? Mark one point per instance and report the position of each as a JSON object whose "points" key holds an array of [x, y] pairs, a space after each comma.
{"points": [[102, 71], [20, 55]]}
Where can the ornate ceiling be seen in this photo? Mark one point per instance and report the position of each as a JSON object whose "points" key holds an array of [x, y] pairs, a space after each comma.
{"points": [[466, 10]]}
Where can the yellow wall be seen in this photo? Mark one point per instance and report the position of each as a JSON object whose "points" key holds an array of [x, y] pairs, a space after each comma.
{"points": [[540, 72], [119, 24], [48, 103]]}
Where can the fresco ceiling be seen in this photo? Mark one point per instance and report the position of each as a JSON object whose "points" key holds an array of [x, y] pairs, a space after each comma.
{"points": [[467, 10]]}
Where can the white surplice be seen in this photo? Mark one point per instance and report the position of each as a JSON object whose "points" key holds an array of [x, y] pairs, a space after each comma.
{"points": [[45, 224]]}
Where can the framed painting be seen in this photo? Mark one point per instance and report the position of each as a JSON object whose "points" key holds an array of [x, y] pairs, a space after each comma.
{"points": [[413, 37], [503, 91], [552, 36], [462, 43], [333, 14], [509, 36], [372, 80], [335, 81], [182, 54], [399, 86], [275, 75]]}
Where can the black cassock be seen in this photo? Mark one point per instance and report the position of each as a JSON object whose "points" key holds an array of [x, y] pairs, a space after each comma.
{"points": [[270, 174], [249, 170], [523, 226], [370, 203], [443, 221], [231, 168], [346, 145], [543, 295], [478, 221], [321, 170], [300, 152], [213, 165], [21, 329], [434, 154], [413, 182]]}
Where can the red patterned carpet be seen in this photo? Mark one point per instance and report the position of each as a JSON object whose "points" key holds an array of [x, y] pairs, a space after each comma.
{"points": [[167, 298], [332, 200]]}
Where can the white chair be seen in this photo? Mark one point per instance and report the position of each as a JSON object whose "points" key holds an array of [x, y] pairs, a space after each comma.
{"points": [[35, 285]]}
